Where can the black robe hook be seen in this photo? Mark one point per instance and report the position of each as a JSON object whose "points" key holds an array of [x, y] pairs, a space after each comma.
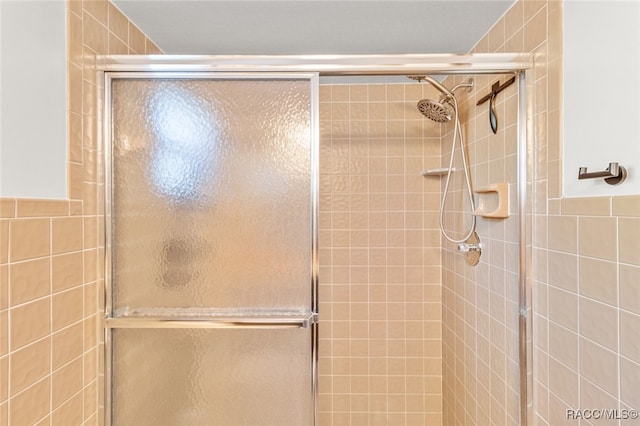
{"points": [[491, 97]]}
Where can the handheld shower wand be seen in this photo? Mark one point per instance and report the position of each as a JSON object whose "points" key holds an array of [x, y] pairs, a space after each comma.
{"points": [[440, 112]]}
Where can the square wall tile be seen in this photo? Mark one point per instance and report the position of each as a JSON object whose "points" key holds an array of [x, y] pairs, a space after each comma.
{"points": [[597, 320], [629, 379], [630, 335], [629, 240], [598, 237], [29, 238], [630, 288], [598, 280], [599, 365]]}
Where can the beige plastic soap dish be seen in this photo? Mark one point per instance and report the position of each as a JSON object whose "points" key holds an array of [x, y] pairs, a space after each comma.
{"points": [[493, 200]]}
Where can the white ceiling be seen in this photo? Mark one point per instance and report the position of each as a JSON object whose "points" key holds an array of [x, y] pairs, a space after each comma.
{"points": [[264, 27]]}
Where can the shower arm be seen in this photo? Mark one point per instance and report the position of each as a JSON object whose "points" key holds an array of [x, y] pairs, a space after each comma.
{"points": [[468, 85], [438, 86], [448, 93]]}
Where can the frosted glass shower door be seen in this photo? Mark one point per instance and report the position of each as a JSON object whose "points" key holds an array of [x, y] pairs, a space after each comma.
{"points": [[211, 249]]}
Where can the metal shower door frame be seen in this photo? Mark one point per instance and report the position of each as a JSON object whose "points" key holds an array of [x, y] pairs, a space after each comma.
{"points": [[293, 319], [520, 64]]}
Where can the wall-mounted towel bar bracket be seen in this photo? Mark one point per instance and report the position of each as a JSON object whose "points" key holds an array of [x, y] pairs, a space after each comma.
{"points": [[491, 97], [613, 175]]}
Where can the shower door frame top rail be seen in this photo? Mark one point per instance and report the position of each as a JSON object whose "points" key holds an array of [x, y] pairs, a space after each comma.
{"points": [[520, 64]]}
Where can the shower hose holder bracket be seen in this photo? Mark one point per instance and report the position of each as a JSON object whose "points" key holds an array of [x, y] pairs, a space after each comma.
{"points": [[615, 174]]}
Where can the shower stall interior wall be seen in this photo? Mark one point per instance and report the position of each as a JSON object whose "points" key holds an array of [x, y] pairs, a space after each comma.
{"points": [[480, 304], [410, 334], [380, 292]]}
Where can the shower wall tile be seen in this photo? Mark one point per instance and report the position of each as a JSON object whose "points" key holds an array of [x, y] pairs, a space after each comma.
{"points": [[95, 33], [595, 303], [598, 237], [28, 239], [585, 260], [69, 413], [562, 233], [480, 380], [137, 44], [629, 277], [628, 205], [151, 48], [598, 280], [118, 23], [629, 379], [66, 308], [50, 274], [98, 9], [629, 235], [40, 208], [7, 207], [66, 345], [29, 280], [31, 405], [523, 28], [380, 338], [591, 206], [66, 235], [117, 46], [30, 364], [67, 271]]}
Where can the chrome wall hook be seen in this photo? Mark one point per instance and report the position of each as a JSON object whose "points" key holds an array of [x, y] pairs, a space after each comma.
{"points": [[613, 175]]}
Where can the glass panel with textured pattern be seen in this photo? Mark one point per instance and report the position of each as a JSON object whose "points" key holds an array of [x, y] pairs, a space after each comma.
{"points": [[211, 193], [231, 377], [210, 237]]}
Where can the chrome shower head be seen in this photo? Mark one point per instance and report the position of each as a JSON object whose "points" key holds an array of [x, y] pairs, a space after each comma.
{"points": [[439, 111], [435, 110]]}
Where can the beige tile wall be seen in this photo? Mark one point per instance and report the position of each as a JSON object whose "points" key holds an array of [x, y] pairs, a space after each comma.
{"points": [[586, 266], [586, 299], [50, 274], [480, 303], [480, 314], [380, 297], [587, 278]]}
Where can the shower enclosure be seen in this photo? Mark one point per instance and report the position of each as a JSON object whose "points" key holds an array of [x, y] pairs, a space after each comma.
{"points": [[212, 250]]}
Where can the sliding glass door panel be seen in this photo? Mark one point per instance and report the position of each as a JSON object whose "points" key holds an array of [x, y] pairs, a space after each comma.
{"points": [[211, 249]]}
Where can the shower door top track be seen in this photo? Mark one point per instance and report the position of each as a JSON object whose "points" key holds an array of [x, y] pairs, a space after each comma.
{"points": [[325, 65]]}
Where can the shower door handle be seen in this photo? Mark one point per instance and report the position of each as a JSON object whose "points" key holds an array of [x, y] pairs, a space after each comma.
{"points": [[239, 321]]}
